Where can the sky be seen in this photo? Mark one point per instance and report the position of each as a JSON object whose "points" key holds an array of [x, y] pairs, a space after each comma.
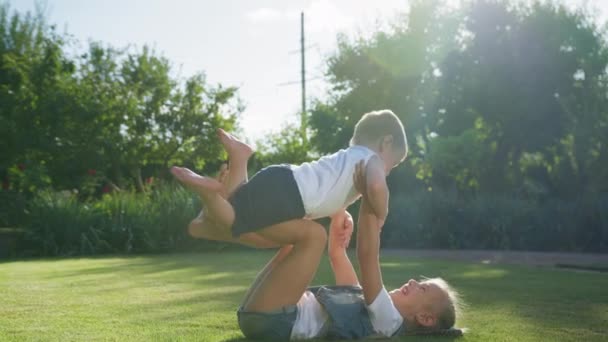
{"points": [[251, 44]]}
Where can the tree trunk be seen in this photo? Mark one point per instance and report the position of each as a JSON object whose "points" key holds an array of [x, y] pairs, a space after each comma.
{"points": [[138, 181]]}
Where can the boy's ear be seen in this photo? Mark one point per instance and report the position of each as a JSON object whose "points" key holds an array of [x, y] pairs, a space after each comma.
{"points": [[426, 319], [386, 143]]}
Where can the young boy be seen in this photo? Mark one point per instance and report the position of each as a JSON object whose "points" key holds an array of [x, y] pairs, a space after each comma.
{"points": [[281, 200]]}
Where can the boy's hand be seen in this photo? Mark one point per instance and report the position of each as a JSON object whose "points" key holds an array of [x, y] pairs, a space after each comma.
{"points": [[222, 177], [222, 174], [347, 230]]}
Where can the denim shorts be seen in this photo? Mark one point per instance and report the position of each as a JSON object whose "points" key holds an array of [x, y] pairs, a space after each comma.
{"points": [[265, 326]]}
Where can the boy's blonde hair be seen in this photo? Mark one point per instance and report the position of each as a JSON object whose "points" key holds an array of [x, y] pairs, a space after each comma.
{"points": [[378, 124]]}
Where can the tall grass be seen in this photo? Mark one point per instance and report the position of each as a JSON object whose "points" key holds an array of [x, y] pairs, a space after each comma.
{"points": [[123, 222], [156, 221], [444, 220]]}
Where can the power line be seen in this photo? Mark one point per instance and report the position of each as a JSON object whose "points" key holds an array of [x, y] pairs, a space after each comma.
{"points": [[303, 115], [292, 52], [300, 81]]}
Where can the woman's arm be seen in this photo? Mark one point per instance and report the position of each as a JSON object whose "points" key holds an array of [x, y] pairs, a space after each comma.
{"points": [[368, 252], [375, 189], [368, 239], [340, 231]]}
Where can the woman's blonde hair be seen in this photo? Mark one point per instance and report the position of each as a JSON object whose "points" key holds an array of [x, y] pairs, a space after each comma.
{"points": [[378, 124], [447, 313]]}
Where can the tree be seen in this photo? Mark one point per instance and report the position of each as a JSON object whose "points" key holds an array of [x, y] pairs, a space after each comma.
{"points": [[109, 115], [527, 80], [34, 76]]}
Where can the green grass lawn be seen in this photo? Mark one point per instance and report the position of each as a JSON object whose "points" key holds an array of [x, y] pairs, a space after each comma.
{"points": [[195, 296]]}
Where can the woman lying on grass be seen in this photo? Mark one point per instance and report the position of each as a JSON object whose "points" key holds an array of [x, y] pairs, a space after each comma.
{"points": [[281, 305], [350, 309]]}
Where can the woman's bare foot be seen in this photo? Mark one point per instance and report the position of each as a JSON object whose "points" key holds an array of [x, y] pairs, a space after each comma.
{"points": [[236, 149], [195, 182]]}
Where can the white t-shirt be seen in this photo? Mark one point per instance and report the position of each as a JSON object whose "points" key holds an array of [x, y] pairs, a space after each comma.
{"points": [[326, 185], [310, 319], [385, 318]]}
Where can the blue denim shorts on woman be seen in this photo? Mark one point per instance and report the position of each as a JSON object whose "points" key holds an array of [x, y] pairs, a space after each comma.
{"points": [[265, 326]]}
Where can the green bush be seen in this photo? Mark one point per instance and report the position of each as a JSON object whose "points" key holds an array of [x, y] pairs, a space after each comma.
{"points": [[440, 219], [12, 208], [57, 223]]}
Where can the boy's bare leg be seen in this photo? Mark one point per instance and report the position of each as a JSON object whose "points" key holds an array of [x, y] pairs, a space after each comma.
{"points": [[209, 190], [230, 177], [204, 227], [238, 156]]}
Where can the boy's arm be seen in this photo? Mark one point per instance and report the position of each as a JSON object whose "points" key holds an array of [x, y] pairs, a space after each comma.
{"points": [[376, 189], [340, 230], [368, 241]]}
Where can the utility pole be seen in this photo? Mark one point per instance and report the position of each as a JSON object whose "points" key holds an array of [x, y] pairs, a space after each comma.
{"points": [[303, 123]]}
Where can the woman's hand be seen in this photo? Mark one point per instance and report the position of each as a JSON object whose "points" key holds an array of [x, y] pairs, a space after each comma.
{"points": [[359, 178], [347, 230], [341, 230]]}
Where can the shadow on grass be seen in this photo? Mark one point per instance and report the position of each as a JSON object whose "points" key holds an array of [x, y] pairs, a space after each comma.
{"points": [[202, 266], [426, 338], [189, 286]]}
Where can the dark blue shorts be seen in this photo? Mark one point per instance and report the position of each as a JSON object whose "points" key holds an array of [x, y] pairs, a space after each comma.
{"points": [[268, 326], [270, 197]]}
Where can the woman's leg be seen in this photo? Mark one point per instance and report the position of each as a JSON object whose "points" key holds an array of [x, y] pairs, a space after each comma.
{"points": [[287, 276], [278, 257]]}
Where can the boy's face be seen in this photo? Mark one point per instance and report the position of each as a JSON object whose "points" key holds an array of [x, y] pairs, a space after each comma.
{"points": [[418, 298], [390, 160], [388, 154]]}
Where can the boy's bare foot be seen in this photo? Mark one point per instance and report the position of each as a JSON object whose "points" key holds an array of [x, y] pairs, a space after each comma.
{"points": [[195, 182], [234, 147], [222, 174]]}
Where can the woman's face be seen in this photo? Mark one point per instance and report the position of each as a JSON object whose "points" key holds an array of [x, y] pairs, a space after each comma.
{"points": [[415, 297]]}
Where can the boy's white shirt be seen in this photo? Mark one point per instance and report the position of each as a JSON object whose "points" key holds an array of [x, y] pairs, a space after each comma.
{"points": [[326, 185], [311, 317]]}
